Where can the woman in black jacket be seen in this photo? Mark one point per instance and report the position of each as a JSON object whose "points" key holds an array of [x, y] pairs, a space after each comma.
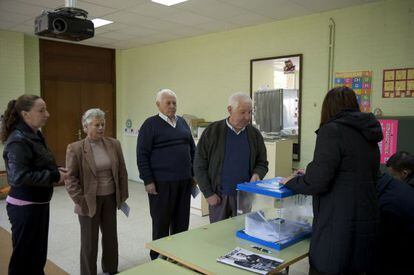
{"points": [[31, 172], [341, 178]]}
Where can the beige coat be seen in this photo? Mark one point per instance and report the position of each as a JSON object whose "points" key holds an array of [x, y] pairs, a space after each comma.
{"points": [[82, 182]]}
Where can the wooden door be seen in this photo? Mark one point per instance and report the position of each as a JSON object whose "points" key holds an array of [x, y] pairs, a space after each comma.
{"points": [[75, 78], [66, 103], [62, 99], [100, 95]]}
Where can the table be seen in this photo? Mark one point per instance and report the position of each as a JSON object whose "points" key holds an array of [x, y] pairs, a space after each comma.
{"points": [[199, 248], [158, 266]]}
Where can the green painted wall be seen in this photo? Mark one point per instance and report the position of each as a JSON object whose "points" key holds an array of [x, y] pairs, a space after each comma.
{"points": [[205, 70], [12, 70], [31, 65]]}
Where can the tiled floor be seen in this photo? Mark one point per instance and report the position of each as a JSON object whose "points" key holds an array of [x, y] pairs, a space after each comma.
{"points": [[133, 232]]}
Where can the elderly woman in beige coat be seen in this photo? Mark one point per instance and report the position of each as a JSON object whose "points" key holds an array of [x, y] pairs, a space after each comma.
{"points": [[98, 185]]}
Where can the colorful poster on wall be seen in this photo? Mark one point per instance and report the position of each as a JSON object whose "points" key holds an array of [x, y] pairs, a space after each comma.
{"points": [[388, 145], [360, 82], [398, 83]]}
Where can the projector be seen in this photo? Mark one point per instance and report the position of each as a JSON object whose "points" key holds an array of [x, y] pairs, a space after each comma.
{"points": [[65, 23]]}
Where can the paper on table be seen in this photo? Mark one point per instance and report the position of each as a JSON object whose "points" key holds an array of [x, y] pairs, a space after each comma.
{"points": [[125, 208], [254, 262], [195, 191]]}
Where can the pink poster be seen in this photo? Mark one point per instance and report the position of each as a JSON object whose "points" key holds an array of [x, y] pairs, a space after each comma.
{"points": [[388, 146]]}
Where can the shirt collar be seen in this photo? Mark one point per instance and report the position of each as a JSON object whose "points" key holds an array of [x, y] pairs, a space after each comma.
{"points": [[233, 129], [164, 117]]}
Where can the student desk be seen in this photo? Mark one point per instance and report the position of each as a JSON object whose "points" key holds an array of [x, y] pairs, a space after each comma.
{"points": [[199, 248], [158, 267]]}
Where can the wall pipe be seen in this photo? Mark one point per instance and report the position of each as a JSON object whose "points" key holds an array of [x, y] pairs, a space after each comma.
{"points": [[331, 53]]}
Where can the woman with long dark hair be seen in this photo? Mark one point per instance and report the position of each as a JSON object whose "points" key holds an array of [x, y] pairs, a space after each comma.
{"points": [[342, 178], [31, 172]]}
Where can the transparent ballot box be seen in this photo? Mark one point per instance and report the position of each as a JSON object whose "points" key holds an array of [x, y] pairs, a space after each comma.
{"points": [[275, 216]]}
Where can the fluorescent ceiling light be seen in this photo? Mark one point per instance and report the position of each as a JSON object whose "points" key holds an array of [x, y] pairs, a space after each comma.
{"points": [[168, 2], [98, 22]]}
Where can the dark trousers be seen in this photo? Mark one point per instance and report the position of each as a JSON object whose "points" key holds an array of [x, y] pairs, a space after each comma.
{"points": [[105, 219], [314, 271], [231, 207], [170, 209], [30, 230], [226, 209]]}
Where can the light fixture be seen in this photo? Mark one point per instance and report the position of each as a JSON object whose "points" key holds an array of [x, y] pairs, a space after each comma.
{"points": [[168, 2], [99, 22]]}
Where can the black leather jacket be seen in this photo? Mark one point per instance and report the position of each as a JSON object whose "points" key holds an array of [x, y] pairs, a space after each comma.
{"points": [[31, 168]]}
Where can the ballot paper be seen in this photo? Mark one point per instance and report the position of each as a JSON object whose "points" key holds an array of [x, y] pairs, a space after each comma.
{"points": [[273, 184], [195, 191], [125, 208], [273, 230]]}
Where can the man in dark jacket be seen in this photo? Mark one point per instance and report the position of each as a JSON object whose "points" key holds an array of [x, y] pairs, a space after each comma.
{"points": [[229, 152], [401, 166], [342, 179], [396, 202]]}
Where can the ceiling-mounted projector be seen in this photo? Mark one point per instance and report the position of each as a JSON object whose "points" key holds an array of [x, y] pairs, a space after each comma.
{"points": [[66, 23]]}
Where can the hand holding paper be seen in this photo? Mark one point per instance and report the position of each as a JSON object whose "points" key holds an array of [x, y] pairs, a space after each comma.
{"points": [[125, 208]]}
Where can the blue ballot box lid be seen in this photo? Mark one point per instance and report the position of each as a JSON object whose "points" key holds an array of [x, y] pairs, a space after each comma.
{"points": [[269, 187]]}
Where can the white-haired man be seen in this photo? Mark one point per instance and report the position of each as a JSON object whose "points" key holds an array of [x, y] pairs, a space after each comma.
{"points": [[230, 151], [165, 153]]}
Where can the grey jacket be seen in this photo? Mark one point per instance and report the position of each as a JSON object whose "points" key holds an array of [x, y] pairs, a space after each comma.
{"points": [[210, 154]]}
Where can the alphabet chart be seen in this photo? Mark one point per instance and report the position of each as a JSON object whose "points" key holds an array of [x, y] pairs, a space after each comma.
{"points": [[360, 82]]}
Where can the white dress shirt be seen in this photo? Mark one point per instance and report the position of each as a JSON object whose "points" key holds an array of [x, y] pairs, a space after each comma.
{"points": [[172, 122], [233, 129]]}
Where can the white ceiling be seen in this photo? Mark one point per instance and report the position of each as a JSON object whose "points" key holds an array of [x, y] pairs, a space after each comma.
{"points": [[141, 22]]}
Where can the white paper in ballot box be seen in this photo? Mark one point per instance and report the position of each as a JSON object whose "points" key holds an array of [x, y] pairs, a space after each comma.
{"points": [[272, 230]]}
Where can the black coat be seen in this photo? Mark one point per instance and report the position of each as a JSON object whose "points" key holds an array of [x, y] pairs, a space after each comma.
{"points": [[410, 179], [31, 168], [396, 202], [342, 179]]}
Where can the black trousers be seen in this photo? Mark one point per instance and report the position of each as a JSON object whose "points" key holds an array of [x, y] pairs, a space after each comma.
{"points": [[105, 219], [30, 230], [170, 209], [314, 271]]}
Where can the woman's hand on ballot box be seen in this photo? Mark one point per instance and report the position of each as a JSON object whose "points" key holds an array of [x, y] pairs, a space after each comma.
{"points": [[297, 173]]}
